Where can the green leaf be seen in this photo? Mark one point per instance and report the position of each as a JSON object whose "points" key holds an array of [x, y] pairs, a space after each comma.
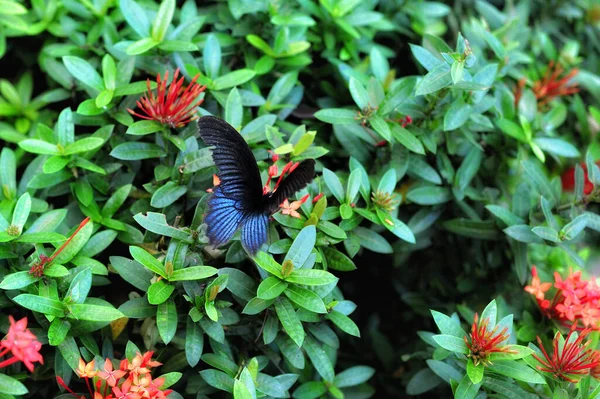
{"points": [[310, 390], [10, 386], [311, 277], [233, 109], [41, 304], [212, 56], [457, 115], [448, 325], [132, 272], [302, 246], [166, 320], [135, 151], [334, 184], [336, 260], [557, 147], [167, 194], [268, 264], [271, 288], [344, 323], [373, 240], [141, 128], [83, 145], [512, 129], [232, 79], [136, 17], [380, 126], [359, 93], [407, 139], [83, 311], [84, 72], [141, 46], [353, 376], [157, 223], [58, 331], [193, 273], [147, 260], [163, 19], [305, 298], [39, 147], [21, 211], [80, 286], [194, 342], [289, 320], [138, 308], [438, 78], [518, 370], [159, 292], [475, 373], [319, 359], [468, 169], [429, 195], [338, 116], [466, 389], [451, 343], [15, 281]]}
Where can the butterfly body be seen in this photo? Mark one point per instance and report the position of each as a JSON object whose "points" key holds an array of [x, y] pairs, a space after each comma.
{"points": [[239, 201]]}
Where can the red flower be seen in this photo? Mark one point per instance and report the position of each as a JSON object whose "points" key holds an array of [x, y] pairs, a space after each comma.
{"points": [[484, 342], [575, 300], [552, 85], [22, 344], [109, 375], [570, 361], [172, 106], [568, 179]]}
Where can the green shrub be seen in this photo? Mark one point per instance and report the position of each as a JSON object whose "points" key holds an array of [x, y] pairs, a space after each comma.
{"points": [[456, 147]]}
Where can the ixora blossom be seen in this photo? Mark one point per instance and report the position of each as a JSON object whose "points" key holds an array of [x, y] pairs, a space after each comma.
{"points": [[173, 106], [553, 84], [291, 209], [483, 342], [22, 344], [568, 179], [570, 359], [132, 380], [575, 300]]}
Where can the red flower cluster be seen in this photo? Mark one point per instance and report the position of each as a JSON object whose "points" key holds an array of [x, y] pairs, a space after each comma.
{"points": [[132, 380], [484, 342], [173, 106], [575, 300], [568, 179], [22, 344], [551, 85], [568, 361]]}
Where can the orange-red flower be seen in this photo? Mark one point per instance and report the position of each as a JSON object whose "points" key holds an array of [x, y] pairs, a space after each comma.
{"points": [[291, 209], [575, 300], [22, 344], [554, 84], [483, 342], [173, 106], [568, 361], [109, 375], [568, 179]]}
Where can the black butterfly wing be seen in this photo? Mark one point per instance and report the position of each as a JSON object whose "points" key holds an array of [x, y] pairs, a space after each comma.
{"points": [[239, 174], [238, 200], [297, 180]]}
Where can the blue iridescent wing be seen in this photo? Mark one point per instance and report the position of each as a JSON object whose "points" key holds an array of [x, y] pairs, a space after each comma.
{"points": [[239, 174], [223, 218], [254, 231]]}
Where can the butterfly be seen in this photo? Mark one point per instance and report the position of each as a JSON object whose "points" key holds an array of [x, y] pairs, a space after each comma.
{"points": [[239, 200]]}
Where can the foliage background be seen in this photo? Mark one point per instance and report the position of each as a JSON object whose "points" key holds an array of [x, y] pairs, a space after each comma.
{"points": [[468, 173]]}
